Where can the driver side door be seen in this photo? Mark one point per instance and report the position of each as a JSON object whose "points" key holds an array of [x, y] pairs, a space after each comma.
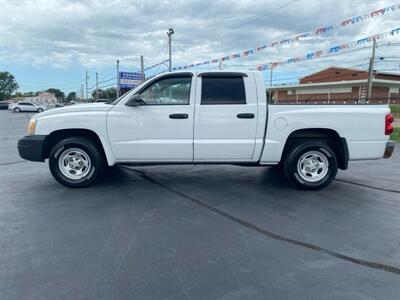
{"points": [[161, 128]]}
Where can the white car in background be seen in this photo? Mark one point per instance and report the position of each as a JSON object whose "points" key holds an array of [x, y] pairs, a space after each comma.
{"points": [[27, 106]]}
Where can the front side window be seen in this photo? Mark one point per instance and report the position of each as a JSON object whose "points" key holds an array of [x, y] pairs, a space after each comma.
{"points": [[168, 91], [223, 90]]}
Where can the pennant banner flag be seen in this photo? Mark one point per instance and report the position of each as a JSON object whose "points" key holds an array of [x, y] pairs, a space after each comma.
{"points": [[329, 51], [156, 65], [304, 36]]}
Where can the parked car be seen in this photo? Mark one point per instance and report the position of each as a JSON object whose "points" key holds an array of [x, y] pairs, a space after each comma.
{"points": [[207, 118], [103, 101], [4, 105], [27, 106]]}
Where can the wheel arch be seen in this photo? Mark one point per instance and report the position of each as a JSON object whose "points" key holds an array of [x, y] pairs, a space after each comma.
{"points": [[331, 136], [58, 135]]}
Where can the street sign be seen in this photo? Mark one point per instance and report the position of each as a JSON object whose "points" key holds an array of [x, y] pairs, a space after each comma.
{"points": [[129, 80]]}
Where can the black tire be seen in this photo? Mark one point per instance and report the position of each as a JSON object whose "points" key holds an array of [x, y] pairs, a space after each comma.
{"points": [[84, 145], [39, 110], [314, 152], [17, 110]]}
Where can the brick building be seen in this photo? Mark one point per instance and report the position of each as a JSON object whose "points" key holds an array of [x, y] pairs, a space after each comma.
{"points": [[339, 85]]}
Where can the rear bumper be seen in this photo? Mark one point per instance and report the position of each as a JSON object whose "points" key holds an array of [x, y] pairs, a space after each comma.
{"points": [[31, 147], [388, 149]]}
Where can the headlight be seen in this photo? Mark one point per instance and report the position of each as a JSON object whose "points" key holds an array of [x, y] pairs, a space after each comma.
{"points": [[31, 127]]}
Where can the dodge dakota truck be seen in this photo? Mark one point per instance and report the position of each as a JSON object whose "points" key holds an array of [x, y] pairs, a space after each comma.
{"points": [[203, 117]]}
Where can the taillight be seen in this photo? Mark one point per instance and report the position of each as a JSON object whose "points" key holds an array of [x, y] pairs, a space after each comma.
{"points": [[388, 124]]}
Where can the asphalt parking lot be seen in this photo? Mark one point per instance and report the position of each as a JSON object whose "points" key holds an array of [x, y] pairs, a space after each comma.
{"points": [[196, 232]]}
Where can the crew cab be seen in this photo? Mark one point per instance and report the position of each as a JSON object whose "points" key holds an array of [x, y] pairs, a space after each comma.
{"points": [[204, 117]]}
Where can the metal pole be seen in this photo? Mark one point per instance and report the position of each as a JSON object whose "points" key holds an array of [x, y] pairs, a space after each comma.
{"points": [[97, 86], [142, 67], [371, 71], [86, 81], [81, 94], [118, 83], [169, 53], [170, 33], [270, 84]]}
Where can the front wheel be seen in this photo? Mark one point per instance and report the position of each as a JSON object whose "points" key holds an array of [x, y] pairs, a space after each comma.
{"points": [[311, 165], [39, 110], [76, 162]]}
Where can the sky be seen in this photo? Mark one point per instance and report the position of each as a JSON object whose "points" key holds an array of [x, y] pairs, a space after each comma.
{"points": [[52, 43]]}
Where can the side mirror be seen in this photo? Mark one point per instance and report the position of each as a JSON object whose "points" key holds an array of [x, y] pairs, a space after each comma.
{"points": [[135, 100]]}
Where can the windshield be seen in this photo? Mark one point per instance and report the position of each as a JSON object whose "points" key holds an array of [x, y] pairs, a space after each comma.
{"points": [[128, 93]]}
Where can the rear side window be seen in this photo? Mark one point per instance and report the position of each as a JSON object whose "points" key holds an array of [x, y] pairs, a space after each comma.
{"points": [[223, 90]]}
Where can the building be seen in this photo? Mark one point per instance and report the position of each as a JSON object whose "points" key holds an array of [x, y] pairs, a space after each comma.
{"points": [[43, 97], [339, 85]]}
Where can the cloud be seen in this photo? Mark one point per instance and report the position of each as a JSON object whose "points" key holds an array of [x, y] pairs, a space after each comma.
{"points": [[94, 34]]}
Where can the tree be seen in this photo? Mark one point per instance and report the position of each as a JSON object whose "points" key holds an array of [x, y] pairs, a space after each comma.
{"points": [[110, 94], [102, 94], [26, 94], [71, 97], [8, 85], [57, 92]]}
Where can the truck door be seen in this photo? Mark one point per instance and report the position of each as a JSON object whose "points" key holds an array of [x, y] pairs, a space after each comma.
{"points": [[226, 117], [161, 129]]}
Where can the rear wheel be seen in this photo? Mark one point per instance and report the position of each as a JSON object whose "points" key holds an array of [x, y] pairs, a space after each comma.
{"points": [[76, 162], [311, 165], [17, 110]]}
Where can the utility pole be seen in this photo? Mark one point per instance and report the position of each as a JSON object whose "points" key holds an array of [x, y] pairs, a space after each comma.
{"points": [[142, 67], [81, 94], [86, 81], [371, 71], [97, 86], [270, 83], [118, 83], [170, 32]]}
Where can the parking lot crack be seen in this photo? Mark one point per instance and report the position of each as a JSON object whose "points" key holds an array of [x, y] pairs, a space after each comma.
{"points": [[368, 186], [12, 162], [269, 234]]}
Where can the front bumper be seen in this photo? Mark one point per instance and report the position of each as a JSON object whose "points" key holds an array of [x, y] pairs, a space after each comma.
{"points": [[389, 149], [30, 147]]}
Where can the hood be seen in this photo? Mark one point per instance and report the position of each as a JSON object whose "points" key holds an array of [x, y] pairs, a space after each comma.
{"points": [[76, 108]]}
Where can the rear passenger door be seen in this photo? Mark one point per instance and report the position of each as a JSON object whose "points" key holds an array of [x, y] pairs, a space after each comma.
{"points": [[225, 117]]}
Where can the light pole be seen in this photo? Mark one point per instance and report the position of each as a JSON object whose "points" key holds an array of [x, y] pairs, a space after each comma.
{"points": [[97, 86], [142, 67], [170, 32], [371, 71], [118, 83], [86, 83], [270, 83]]}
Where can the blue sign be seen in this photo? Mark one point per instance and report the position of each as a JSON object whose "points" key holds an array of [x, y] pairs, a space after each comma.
{"points": [[128, 80]]}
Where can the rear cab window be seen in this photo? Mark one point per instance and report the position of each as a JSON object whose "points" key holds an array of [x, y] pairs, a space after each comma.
{"points": [[226, 89]]}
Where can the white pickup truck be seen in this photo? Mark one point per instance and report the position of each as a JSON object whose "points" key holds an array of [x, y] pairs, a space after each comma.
{"points": [[207, 118]]}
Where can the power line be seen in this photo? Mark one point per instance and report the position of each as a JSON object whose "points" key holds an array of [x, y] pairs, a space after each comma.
{"points": [[103, 81], [154, 58], [103, 86], [242, 24]]}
